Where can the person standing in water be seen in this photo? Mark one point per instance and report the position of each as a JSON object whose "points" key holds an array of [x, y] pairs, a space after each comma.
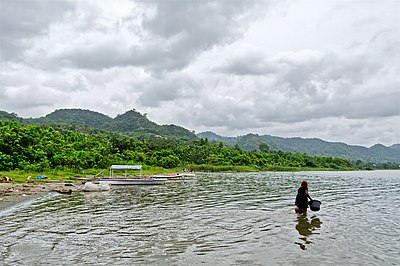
{"points": [[302, 198]]}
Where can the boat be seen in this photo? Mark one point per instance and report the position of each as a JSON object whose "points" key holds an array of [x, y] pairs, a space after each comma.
{"points": [[128, 180], [132, 181], [167, 176], [175, 175]]}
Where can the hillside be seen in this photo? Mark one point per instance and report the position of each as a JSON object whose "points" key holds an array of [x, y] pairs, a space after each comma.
{"points": [[41, 148], [9, 116], [313, 146], [79, 117], [131, 123], [214, 137]]}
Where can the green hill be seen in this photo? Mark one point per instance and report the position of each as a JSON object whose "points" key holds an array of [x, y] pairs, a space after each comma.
{"points": [[79, 117], [131, 123], [135, 124], [10, 116], [313, 146]]}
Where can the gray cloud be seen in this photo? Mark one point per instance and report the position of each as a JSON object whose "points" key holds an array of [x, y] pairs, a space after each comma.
{"points": [[358, 82], [155, 43], [232, 67], [200, 24], [22, 20]]}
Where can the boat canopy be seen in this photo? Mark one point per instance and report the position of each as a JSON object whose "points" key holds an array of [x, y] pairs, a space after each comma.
{"points": [[125, 168]]}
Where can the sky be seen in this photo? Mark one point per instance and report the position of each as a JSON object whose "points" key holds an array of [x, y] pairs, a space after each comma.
{"points": [[306, 68]]}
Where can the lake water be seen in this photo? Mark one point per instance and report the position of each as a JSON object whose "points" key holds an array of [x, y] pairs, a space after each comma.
{"points": [[213, 219]]}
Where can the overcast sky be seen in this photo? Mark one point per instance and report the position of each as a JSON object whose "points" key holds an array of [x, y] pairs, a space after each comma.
{"points": [[325, 69]]}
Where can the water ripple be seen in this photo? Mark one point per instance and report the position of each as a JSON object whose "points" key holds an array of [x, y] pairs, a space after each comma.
{"points": [[231, 219]]}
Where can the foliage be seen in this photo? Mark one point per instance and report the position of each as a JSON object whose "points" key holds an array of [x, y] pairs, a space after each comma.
{"points": [[75, 117], [138, 126], [317, 147], [37, 148], [131, 123], [10, 117]]}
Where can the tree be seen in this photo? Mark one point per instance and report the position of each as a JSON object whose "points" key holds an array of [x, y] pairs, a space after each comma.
{"points": [[263, 147]]}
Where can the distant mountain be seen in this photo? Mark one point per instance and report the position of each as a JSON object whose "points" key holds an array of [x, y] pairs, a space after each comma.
{"points": [[130, 123], [214, 137], [377, 153], [395, 146]]}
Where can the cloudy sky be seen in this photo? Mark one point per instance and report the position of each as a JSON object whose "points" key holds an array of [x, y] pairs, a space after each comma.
{"points": [[304, 68]]}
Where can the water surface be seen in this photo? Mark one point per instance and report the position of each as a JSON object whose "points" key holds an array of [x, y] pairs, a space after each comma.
{"points": [[225, 219]]}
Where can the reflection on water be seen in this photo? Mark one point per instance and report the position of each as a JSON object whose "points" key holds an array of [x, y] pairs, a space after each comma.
{"points": [[306, 228], [226, 219]]}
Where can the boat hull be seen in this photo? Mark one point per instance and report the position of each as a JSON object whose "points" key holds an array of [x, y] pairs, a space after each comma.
{"points": [[175, 175], [133, 181]]}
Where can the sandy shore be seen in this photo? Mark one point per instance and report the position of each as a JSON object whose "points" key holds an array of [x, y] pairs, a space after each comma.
{"points": [[13, 194]]}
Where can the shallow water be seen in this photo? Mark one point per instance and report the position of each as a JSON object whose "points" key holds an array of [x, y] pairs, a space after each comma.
{"points": [[225, 219]]}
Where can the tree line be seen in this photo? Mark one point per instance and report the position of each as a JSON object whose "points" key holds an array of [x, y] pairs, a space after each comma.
{"points": [[32, 147]]}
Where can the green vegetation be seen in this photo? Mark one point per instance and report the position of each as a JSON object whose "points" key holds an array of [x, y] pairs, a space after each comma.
{"points": [[138, 126], [377, 154], [131, 123], [68, 144], [37, 149]]}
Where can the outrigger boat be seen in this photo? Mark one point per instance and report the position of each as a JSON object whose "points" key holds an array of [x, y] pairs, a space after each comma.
{"points": [[175, 175], [127, 180]]}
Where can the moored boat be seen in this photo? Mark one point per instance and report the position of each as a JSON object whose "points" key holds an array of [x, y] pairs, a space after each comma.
{"points": [[174, 175], [127, 180], [132, 181]]}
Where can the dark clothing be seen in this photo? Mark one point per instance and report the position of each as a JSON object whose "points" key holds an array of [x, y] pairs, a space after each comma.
{"points": [[302, 199]]}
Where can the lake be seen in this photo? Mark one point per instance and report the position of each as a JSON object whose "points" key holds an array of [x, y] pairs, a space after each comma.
{"points": [[213, 219]]}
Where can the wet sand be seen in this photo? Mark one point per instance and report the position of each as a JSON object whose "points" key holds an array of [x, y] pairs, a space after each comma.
{"points": [[14, 194]]}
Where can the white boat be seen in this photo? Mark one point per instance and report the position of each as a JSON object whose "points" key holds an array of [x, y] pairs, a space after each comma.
{"points": [[132, 181], [174, 175], [127, 180]]}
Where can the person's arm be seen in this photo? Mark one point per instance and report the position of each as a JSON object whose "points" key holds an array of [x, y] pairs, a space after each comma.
{"points": [[308, 196]]}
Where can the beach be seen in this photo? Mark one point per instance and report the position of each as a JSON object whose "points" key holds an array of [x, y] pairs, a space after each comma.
{"points": [[13, 194]]}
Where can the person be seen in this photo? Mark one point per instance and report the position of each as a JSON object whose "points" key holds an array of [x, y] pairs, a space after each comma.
{"points": [[302, 198]]}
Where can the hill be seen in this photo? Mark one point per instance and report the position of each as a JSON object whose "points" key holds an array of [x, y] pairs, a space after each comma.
{"points": [[79, 117], [313, 146], [131, 123], [10, 116]]}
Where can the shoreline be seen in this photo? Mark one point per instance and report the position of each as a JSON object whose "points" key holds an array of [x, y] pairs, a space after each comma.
{"points": [[15, 194]]}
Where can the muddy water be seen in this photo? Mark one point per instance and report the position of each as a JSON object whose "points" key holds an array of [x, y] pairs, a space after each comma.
{"points": [[225, 219]]}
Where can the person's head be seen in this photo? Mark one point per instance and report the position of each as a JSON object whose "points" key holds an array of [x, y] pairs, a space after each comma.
{"points": [[304, 184]]}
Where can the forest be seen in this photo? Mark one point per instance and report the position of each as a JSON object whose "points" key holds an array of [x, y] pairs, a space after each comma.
{"points": [[59, 146]]}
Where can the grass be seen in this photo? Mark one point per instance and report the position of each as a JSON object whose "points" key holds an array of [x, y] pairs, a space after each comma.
{"points": [[21, 176]]}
